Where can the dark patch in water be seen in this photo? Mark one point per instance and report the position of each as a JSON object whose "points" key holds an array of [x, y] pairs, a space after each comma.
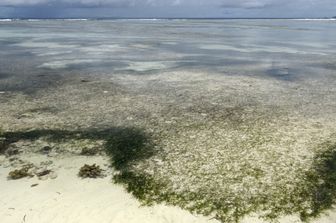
{"points": [[45, 109], [91, 66], [4, 75], [327, 66], [24, 77], [285, 74]]}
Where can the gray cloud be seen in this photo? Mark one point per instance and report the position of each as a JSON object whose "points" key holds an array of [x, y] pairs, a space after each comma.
{"points": [[67, 3], [153, 3], [167, 8]]}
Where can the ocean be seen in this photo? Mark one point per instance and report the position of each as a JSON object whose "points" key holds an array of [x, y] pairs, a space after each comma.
{"points": [[282, 49]]}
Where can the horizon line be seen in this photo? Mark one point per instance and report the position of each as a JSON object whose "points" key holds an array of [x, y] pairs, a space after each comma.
{"points": [[168, 18]]}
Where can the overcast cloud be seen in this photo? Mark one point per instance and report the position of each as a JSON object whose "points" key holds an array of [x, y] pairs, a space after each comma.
{"points": [[168, 8], [135, 3]]}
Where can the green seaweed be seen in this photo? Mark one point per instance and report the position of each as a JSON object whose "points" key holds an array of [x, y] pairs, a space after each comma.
{"points": [[128, 146], [321, 182]]}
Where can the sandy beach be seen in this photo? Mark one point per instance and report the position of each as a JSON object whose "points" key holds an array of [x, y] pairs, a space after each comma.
{"points": [[237, 125], [69, 198]]}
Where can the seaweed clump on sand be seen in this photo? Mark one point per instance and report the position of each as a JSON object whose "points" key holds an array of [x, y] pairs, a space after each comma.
{"points": [[20, 173], [90, 171], [43, 173]]}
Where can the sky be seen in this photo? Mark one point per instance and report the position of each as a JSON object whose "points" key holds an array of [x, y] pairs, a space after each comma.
{"points": [[167, 8]]}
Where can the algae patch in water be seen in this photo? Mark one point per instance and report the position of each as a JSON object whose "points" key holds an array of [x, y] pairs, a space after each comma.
{"points": [[321, 181]]}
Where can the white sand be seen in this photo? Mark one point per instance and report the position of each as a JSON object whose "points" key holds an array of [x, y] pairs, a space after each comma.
{"points": [[71, 199]]}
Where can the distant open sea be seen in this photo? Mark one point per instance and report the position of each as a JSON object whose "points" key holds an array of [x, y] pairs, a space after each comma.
{"points": [[287, 49]]}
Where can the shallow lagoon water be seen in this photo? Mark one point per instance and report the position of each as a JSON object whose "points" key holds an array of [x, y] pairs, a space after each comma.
{"points": [[233, 116], [210, 45]]}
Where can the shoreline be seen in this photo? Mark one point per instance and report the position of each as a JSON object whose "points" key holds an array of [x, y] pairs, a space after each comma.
{"points": [[69, 198], [212, 125]]}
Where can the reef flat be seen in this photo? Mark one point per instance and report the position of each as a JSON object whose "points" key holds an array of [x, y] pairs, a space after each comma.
{"points": [[222, 137]]}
